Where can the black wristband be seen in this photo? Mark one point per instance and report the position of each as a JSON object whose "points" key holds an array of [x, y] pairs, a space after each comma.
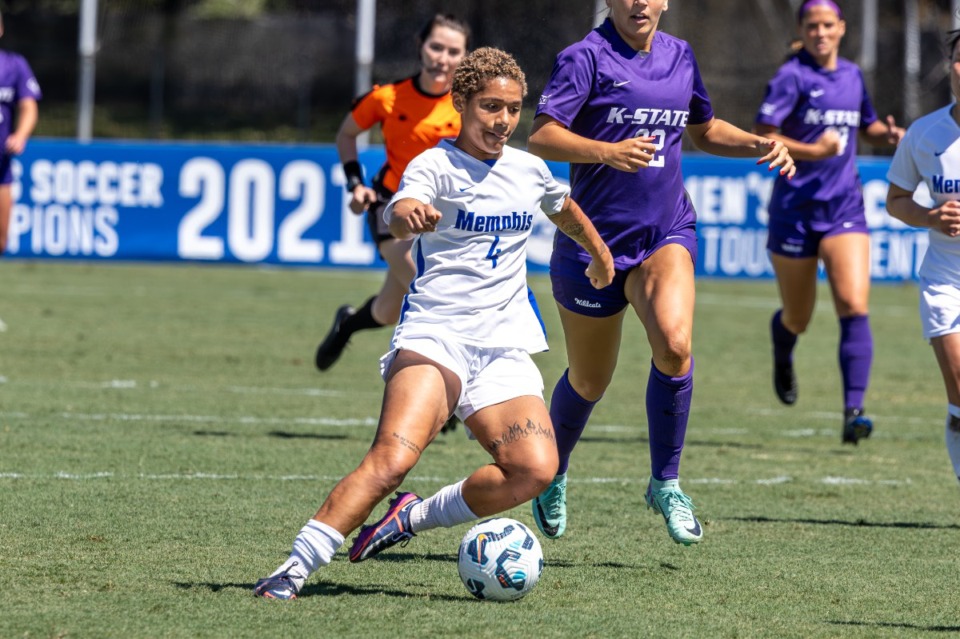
{"points": [[354, 174]]}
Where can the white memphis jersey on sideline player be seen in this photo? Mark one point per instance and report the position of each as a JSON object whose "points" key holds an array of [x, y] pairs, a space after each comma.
{"points": [[930, 153], [471, 282]]}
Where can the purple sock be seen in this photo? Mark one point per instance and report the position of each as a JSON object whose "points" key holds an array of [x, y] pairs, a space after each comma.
{"points": [[783, 340], [668, 407], [856, 355], [569, 413]]}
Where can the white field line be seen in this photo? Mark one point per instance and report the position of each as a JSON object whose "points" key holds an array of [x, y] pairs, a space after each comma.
{"points": [[200, 476], [132, 384], [371, 421], [205, 419], [771, 303], [836, 417]]}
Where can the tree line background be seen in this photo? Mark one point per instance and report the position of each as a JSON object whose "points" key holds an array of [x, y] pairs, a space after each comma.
{"points": [[283, 70]]}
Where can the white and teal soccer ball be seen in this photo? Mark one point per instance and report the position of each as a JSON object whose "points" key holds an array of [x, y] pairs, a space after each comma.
{"points": [[500, 560]]}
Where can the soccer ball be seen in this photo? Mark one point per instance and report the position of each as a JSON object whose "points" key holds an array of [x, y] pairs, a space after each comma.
{"points": [[500, 560]]}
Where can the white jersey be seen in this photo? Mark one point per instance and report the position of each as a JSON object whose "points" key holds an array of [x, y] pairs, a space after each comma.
{"points": [[930, 153], [471, 282]]}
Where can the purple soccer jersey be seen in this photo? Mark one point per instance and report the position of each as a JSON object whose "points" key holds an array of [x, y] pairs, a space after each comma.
{"points": [[16, 83], [804, 100], [603, 89]]}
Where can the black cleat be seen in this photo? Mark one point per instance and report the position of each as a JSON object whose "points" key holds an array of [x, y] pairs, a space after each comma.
{"points": [[330, 349], [856, 426], [785, 383], [450, 425]]}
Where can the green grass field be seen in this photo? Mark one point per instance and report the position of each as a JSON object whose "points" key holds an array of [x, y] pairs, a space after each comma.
{"points": [[164, 435]]}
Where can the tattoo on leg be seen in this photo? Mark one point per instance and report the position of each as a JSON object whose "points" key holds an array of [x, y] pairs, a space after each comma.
{"points": [[406, 443], [516, 432]]}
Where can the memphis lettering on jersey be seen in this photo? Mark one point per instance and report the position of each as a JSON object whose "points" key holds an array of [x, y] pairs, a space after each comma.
{"points": [[470, 221], [941, 185], [651, 117], [832, 117]]}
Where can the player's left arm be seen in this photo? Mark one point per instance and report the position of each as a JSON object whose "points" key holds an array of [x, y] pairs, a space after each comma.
{"points": [[575, 224], [719, 137], [883, 133], [27, 115]]}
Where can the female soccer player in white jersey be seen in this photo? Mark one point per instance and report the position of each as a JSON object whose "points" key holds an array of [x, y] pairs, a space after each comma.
{"points": [[468, 325], [616, 108], [930, 153]]}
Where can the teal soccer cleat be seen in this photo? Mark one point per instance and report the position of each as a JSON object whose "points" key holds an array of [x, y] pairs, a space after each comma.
{"points": [[550, 508], [677, 511]]}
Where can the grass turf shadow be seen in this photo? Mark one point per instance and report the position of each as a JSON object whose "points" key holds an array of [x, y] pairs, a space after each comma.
{"points": [[857, 523]]}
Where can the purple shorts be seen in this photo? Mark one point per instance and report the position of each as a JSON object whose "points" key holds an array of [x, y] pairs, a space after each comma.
{"points": [[798, 232], [6, 174], [573, 291]]}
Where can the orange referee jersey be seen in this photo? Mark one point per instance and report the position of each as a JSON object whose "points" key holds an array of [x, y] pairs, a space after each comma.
{"points": [[411, 120]]}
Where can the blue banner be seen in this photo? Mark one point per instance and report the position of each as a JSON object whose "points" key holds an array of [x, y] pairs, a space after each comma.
{"points": [[285, 205]]}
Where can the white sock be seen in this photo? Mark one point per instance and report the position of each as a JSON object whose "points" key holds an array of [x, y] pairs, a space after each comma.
{"points": [[444, 509], [953, 437], [314, 547]]}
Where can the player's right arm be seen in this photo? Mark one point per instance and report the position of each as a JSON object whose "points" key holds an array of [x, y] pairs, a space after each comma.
{"points": [[411, 217], [27, 114], [362, 195], [552, 141]]}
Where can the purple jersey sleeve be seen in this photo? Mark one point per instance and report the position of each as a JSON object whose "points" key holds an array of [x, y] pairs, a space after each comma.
{"points": [[780, 99], [701, 111], [16, 83], [569, 86], [868, 115], [27, 85]]}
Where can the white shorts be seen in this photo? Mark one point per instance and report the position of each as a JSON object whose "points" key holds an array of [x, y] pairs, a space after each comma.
{"points": [[488, 376], [939, 308]]}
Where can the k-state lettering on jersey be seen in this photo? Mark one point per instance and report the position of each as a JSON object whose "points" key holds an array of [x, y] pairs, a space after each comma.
{"points": [[412, 122], [804, 100], [930, 153], [471, 281], [16, 83], [602, 89]]}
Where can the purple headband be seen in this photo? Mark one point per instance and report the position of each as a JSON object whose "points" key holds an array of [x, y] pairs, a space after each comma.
{"points": [[809, 4]]}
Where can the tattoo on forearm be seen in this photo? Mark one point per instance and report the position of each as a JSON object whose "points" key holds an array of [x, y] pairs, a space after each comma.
{"points": [[574, 230], [516, 432], [406, 443]]}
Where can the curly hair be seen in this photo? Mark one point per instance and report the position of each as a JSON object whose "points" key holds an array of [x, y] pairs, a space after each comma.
{"points": [[483, 65]]}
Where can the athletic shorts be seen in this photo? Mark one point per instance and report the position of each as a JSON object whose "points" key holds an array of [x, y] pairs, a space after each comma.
{"points": [[939, 308], [378, 227], [797, 233], [573, 291], [6, 174], [488, 376]]}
